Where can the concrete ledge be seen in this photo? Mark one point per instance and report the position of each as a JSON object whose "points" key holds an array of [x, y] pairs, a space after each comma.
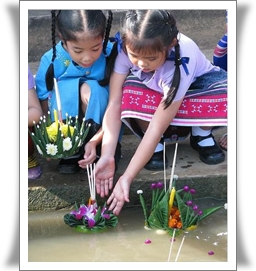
{"points": [[54, 191], [64, 196]]}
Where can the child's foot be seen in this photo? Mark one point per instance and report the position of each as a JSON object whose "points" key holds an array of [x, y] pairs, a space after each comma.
{"points": [[223, 142], [34, 172], [211, 155], [156, 162]]}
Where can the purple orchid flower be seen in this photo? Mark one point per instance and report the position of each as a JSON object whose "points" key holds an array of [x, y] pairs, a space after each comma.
{"points": [[107, 216], [88, 212]]}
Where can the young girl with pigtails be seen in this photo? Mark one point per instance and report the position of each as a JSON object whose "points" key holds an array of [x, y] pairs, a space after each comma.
{"points": [[81, 63], [160, 78]]}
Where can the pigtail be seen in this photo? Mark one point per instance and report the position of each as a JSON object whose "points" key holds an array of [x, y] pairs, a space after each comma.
{"points": [[50, 71], [110, 60], [176, 79], [107, 32]]}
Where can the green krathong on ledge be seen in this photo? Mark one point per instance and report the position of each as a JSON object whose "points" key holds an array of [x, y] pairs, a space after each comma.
{"points": [[59, 139]]}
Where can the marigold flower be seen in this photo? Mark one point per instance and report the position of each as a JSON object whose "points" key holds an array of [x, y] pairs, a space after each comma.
{"points": [[179, 225], [64, 129], [172, 223]]}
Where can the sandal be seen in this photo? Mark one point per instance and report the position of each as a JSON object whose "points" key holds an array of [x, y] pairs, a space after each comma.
{"points": [[34, 173], [223, 142]]}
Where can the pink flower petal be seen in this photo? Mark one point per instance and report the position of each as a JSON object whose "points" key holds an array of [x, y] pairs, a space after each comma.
{"points": [[147, 241], [210, 252]]}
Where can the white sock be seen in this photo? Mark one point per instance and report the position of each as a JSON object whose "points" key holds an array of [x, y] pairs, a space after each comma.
{"points": [[159, 147], [197, 131]]}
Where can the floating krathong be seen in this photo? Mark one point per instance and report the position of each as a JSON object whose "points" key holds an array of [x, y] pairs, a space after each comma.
{"points": [[91, 218], [173, 210]]}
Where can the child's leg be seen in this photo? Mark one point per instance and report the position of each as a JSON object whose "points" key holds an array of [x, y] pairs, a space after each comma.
{"points": [[34, 169]]}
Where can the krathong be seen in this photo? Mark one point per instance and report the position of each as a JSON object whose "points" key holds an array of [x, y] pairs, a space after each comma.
{"points": [[59, 139], [172, 210], [91, 218]]}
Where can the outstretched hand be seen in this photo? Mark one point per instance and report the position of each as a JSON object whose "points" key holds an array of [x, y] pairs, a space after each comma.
{"points": [[104, 175], [89, 155], [119, 196]]}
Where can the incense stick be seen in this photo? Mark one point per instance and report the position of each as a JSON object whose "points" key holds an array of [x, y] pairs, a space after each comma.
{"points": [[170, 252], [91, 179], [180, 248], [173, 165], [164, 170]]}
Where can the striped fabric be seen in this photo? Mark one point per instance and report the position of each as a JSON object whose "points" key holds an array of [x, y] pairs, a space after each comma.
{"points": [[205, 103]]}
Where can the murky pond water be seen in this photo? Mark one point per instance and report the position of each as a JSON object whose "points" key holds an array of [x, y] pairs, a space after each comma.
{"points": [[51, 240]]}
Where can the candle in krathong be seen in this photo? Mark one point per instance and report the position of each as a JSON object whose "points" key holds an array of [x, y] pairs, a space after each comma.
{"points": [[171, 200], [58, 98]]}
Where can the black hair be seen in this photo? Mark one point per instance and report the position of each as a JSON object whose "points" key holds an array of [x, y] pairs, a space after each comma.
{"points": [[151, 31], [68, 23]]}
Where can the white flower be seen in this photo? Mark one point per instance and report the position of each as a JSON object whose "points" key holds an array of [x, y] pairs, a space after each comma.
{"points": [[39, 150], [67, 144], [226, 206], [139, 192], [51, 149], [175, 177]]}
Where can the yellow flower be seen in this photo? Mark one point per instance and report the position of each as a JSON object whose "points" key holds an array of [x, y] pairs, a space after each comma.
{"points": [[64, 130], [52, 131]]}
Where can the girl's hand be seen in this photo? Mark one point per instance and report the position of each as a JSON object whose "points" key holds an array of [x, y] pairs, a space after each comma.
{"points": [[104, 175], [119, 196], [89, 155]]}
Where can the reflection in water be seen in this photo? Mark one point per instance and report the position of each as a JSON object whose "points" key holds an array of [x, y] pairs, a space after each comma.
{"points": [[51, 240]]}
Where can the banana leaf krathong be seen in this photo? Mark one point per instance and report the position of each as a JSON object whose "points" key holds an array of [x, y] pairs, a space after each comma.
{"points": [[59, 139], [182, 214]]}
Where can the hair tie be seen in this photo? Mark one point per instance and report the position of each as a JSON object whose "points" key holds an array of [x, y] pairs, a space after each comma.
{"points": [[117, 39], [182, 61]]}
